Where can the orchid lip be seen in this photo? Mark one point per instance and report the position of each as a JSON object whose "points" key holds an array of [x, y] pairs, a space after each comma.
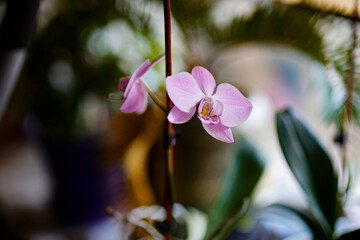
{"points": [[213, 120], [209, 111]]}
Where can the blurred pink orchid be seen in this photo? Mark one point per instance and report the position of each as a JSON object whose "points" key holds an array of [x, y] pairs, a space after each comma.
{"points": [[218, 108], [135, 90]]}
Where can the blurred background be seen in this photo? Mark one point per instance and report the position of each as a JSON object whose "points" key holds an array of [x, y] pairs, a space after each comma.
{"points": [[67, 153]]}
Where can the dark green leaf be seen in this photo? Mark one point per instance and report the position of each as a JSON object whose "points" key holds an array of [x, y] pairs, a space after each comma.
{"points": [[309, 220], [350, 235], [240, 179], [310, 165]]}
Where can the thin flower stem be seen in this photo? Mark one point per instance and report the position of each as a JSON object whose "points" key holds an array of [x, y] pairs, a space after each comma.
{"points": [[169, 130], [155, 99], [230, 224]]}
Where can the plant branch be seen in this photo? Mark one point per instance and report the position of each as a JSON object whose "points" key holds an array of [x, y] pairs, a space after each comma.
{"points": [[155, 99], [231, 223]]}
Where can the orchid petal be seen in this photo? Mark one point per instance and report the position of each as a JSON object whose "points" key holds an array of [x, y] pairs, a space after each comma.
{"points": [[236, 108], [219, 131], [123, 83], [157, 59], [183, 91], [143, 101], [217, 108], [204, 79], [177, 116], [140, 72], [136, 100]]}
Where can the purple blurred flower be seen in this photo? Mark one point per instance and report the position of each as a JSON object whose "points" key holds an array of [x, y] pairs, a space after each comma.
{"points": [[218, 108], [135, 93]]}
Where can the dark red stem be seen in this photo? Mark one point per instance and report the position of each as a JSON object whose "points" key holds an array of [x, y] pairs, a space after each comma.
{"points": [[169, 131]]}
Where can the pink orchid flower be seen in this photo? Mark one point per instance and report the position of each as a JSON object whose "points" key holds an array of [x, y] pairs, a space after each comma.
{"points": [[134, 88], [219, 108]]}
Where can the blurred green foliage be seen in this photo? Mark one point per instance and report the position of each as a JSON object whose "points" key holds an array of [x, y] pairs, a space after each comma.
{"points": [[310, 165], [305, 215], [65, 39], [64, 43], [73, 40], [241, 177], [63, 66], [274, 24], [314, 171]]}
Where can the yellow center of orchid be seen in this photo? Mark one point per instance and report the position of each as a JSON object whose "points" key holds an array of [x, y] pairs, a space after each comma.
{"points": [[205, 112]]}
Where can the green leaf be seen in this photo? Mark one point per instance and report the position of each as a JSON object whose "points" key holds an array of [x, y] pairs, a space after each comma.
{"points": [[350, 235], [241, 176], [310, 165], [308, 219]]}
